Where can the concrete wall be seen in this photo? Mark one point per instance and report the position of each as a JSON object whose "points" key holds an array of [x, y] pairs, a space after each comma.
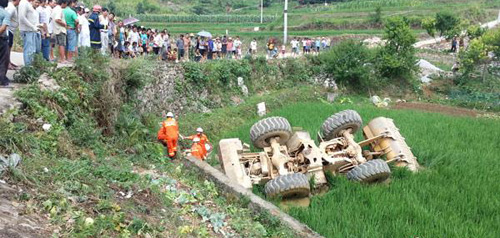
{"points": [[257, 204]]}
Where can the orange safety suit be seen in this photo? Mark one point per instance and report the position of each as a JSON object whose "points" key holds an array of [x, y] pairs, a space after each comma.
{"points": [[197, 151], [203, 140], [169, 134]]}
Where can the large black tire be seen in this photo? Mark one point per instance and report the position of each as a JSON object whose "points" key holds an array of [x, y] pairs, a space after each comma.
{"points": [[288, 186], [373, 171], [272, 127], [338, 122]]}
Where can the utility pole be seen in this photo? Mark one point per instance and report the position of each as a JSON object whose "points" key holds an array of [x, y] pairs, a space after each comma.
{"points": [[261, 11], [285, 25]]}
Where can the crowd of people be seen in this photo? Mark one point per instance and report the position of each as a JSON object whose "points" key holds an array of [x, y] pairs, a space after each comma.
{"points": [[65, 26]]}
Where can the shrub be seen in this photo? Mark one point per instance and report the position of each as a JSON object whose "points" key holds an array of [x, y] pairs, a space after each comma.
{"points": [[429, 24], [446, 22], [350, 63], [396, 60]]}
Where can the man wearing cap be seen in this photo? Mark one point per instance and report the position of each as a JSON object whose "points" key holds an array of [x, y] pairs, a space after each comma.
{"points": [[95, 28], [169, 134]]}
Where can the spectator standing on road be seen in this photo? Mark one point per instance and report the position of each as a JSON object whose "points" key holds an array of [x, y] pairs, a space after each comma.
{"points": [[84, 36], [187, 46], [59, 28], [14, 24], [144, 39], [71, 35], [295, 47], [45, 36], [104, 20], [224, 46], [180, 48], [4, 43], [112, 33], [304, 46], [133, 36], [237, 47], [95, 28], [253, 47], [38, 38], [28, 19], [51, 4]]}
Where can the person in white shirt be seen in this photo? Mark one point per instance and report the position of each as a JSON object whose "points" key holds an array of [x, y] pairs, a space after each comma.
{"points": [[253, 47], [59, 29], [14, 24], [133, 36], [295, 47], [83, 23], [50, 28], [237, 47], [45, 36], [104, 20], [28, 26], [304, 46]]}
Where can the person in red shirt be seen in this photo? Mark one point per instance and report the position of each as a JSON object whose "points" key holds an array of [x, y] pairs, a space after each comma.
{"points": [[169, 134]]}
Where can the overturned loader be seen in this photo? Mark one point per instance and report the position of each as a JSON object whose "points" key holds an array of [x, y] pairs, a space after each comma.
{"points": [[291, 158]]}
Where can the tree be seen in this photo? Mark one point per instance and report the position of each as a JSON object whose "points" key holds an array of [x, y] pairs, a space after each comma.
{"points": [[447, 23], [396, 60], [429, 24], [267, 3], [140, 8], [377, 17]]}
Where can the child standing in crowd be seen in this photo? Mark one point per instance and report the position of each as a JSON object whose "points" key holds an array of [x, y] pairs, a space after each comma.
{"points": [[283, 51], [237, 47], [144, 39], [253, 47], [4, 43]]}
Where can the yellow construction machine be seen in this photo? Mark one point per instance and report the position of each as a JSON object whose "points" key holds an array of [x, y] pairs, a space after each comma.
{"points": [[290, 159]]}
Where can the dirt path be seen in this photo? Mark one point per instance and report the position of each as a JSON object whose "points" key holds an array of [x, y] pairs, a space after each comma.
{"points": [[437, 108]]}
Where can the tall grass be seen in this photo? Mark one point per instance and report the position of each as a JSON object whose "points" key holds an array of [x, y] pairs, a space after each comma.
{"points": [[456, 195]]}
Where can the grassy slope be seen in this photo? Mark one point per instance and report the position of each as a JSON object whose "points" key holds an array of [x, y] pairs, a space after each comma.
{"points": [[455, 196]]}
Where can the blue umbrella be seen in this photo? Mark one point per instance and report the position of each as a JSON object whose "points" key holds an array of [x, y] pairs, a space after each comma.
{"points": [[205, 34]]}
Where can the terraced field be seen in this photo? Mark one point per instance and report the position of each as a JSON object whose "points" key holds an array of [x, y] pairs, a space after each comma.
{"points": [[456, 195]]}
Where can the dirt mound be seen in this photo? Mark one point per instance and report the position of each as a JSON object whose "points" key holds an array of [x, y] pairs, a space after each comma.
{"points": [[436, 108]]}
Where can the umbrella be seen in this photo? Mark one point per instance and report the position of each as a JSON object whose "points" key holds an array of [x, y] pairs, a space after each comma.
{"points": [[130, 20], [205, 34]]}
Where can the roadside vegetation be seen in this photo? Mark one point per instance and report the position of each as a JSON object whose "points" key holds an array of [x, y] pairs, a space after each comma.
{"points": [[91, 164]]}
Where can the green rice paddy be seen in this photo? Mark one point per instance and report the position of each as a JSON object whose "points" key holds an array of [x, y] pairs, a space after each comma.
{"points": [[455, 195]]}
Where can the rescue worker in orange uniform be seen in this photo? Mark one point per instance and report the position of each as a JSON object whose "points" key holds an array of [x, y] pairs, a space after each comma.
{"points": [[169, 134], [203, 139], [197, 150]]}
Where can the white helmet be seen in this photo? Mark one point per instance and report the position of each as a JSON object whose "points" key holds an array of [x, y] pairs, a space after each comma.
{"points": [[196, 139], [199, 130], [170, 114]]}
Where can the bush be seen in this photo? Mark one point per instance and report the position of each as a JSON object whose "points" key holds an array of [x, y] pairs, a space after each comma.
{"points": [[396, 60], [429, 24], [350, 63], [446, 23]]}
